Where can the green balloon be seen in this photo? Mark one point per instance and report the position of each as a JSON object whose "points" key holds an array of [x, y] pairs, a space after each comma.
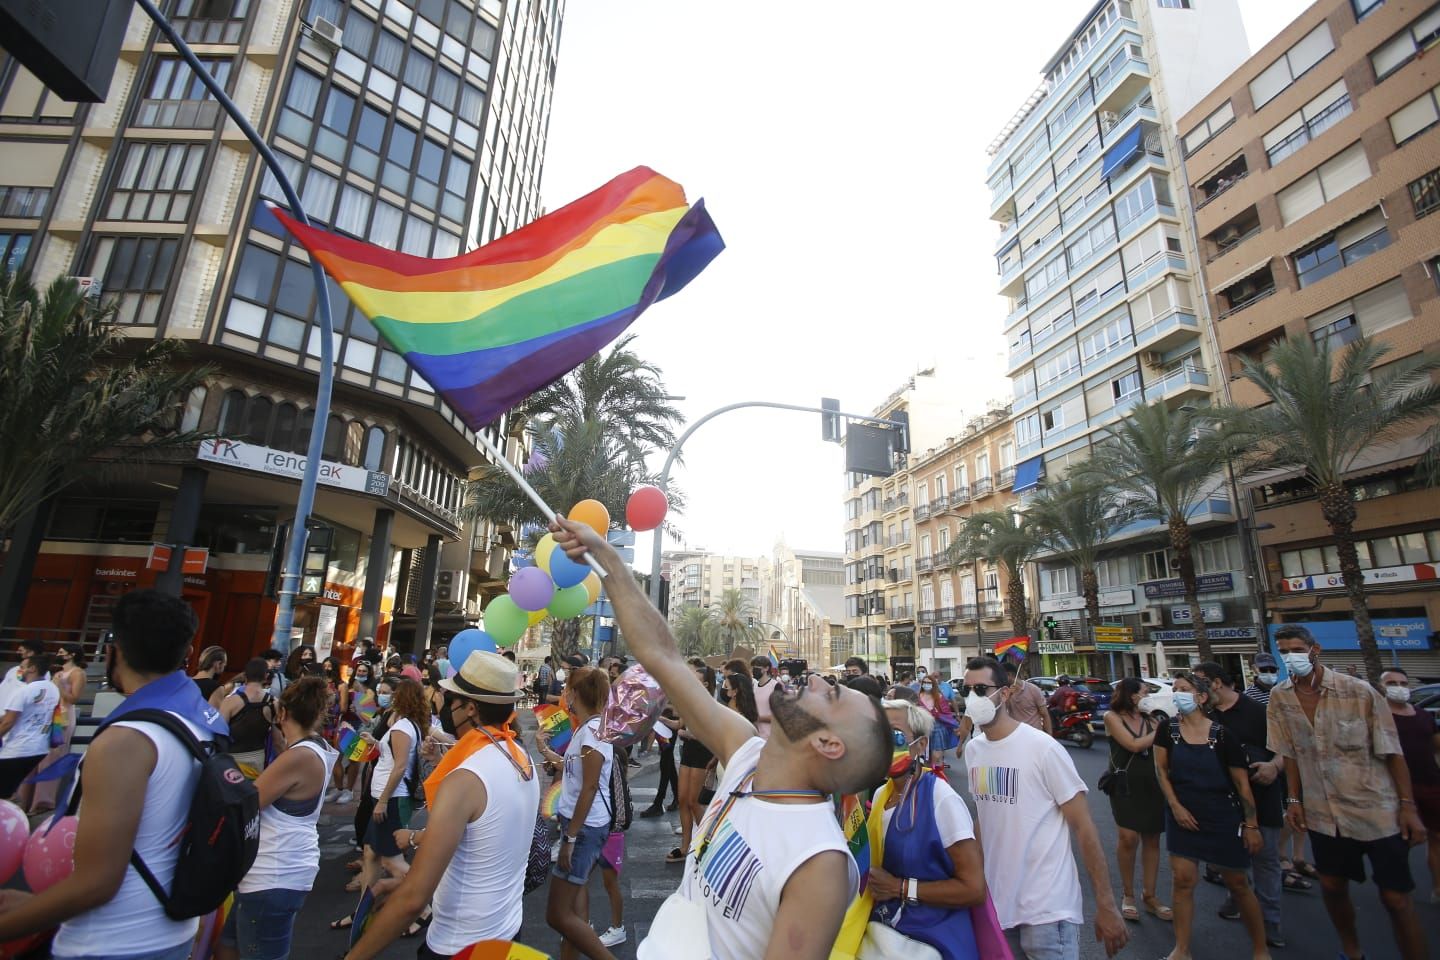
{"points": [[569, 602], [505, 621]]}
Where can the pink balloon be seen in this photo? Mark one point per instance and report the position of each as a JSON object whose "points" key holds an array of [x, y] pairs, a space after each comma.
{"points": [[50, 857], [646, 508], [531, 588], [14, 831]]}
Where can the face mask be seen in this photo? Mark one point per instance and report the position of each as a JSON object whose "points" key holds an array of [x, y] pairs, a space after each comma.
{"points": [[902, 761], [1267, 678], [447, 717], [1298, 663], [560, 676], [383, 699], [757, 673], [1185, 702], [362, 678], [927, 686], [1398, 694], [980, 710]]}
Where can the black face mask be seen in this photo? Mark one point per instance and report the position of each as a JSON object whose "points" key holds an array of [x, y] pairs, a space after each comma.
{"points": [[447, 717], [757, 673]]}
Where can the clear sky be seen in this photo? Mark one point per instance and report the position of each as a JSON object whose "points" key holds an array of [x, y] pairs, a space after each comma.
{"points": [[840, 147]]}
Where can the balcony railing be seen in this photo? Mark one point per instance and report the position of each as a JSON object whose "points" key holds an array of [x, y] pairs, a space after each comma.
{"points": [[983, 487], [938, 505], [992, 610], [899, 612], [922, 511], [897, 540], [1223, 186], [1005, 478], [1249, 301], [926, 616], [945, 615], [966, 611], [1176, 381], [942, 560], [922, 564], [1230, 244], [959, 496]]}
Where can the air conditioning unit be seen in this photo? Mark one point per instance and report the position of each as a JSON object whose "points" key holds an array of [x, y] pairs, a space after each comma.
{"points": [[1152, 358], [327, 33], [450, 586], [1152, 617]]}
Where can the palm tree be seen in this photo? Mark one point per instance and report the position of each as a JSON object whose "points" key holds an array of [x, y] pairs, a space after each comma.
{"points": [[1322, 414], [621, 393], [1073, 519], [1159, 461], [74, 388], [692, 631], [732, 622], [1007, 539]]}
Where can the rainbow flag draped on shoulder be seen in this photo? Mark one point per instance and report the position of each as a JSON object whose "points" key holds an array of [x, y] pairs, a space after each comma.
{"points": [[491, 326]]}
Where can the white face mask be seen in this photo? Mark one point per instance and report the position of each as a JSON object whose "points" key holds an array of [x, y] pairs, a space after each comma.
{"points": [[980, 710], [1267, 677], [1298, 663], [1398, 694]]}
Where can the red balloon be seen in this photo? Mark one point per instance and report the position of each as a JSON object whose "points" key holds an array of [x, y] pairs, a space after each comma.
{"points": [[50, 854], [14, 833], [646, 508]]}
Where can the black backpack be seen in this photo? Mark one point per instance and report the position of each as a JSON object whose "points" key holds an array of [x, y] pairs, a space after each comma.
{"points": [[250, 726], [222, 829]]}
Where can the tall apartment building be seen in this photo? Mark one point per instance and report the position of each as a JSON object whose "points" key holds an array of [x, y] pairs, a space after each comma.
{"points": [[802, 598], [419, 126], [961, 610], [1100, 276], [1315, 170], [880, 530], [699, 578]]}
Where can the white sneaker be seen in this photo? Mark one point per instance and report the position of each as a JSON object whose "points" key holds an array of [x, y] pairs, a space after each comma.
{"points": [[332, 795], [678, 830], [345, 796], [613, 937], [555, 852]]}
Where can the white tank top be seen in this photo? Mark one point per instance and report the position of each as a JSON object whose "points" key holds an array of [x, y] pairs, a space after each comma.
{"points": [[387, 760], [289, 852], [134, 922], [479, 896]]}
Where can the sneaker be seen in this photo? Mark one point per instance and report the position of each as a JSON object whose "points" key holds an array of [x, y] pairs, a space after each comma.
{"points": [[634, 763], [613, 937], [677, 831], [652, 811], [332, 795], [1229, 911], [345, 796], [1273, 937]]}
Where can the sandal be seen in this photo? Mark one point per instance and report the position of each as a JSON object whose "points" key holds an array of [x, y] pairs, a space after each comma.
{"points": [[353, 886], [1306, 870], [1158, 910], [1294, 881], [1129, 911], [675, 856], [343, 923], [354, 866]]}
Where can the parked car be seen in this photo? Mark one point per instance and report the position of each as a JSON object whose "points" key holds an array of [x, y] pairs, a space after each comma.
{"points": [[1427, 697], [1159, 699], [1097, 689]]}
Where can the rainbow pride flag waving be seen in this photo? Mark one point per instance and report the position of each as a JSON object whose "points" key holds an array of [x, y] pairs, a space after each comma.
{"points": [[491, 326]]}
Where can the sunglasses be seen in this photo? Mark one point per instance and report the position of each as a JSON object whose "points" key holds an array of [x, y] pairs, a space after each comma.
{"points": [[980, 689]]}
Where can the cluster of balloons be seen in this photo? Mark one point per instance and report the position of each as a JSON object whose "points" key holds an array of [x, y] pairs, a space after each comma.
{"points": [[47, 855]]}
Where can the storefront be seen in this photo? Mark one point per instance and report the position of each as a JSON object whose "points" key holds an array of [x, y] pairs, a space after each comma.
{"points": [[1232, 647], [1403, 641]]}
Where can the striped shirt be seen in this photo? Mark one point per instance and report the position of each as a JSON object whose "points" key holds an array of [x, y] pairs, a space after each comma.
{"points": [[1258, 693]]}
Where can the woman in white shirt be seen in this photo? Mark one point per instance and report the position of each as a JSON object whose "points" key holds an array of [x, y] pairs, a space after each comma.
{"points": [[292, 792], [585, 815]]}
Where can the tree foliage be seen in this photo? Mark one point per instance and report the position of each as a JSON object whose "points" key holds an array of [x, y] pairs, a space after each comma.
{"points": [[1073, 518]]}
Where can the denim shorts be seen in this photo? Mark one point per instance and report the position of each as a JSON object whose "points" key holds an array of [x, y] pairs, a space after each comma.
{"points": [[1045, 941], [584, 852], [260, 923]]}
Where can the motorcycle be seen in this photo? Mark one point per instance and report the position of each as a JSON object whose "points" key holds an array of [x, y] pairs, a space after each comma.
{"points": [[1075, 726]]}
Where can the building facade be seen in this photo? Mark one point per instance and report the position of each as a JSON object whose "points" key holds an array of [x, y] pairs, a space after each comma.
{"points": [[419, 127], [802, 595], [1101, 277], [699, 578], [1315, 173]]}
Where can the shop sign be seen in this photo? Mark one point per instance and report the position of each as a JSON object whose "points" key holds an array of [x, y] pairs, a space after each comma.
{"points": [[115, 573], [1398, 633], [282, 463], [1211, 612], [1407, 573], [1205, 583], [1110, 598], [1056, 646], [197, 559], [325, 631], [1214, 634], [942, 636], [1106, 646]]}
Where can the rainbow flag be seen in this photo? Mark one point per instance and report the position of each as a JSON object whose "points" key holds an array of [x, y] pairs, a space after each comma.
{"points": [[555, 724], [774, 660], [1021, 646], [550, 801], [500, 950], [356, 748], [850, 808], [489, 327], [366, 705], [57, 726]]}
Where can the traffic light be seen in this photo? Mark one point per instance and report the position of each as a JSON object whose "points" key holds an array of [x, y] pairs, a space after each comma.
{"points": [[1050, 626], [830, 422], [902, 431]]}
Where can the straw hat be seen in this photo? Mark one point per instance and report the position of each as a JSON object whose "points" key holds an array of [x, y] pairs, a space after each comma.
{"points": [[487, 677]]}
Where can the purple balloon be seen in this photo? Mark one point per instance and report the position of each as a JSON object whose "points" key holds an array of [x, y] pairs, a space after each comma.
{"points": [[531, 588]]}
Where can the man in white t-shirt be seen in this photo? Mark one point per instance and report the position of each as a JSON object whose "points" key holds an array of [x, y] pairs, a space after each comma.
{"points": [[1028, 801], [26, 712], [769, 872], [25, 649]]}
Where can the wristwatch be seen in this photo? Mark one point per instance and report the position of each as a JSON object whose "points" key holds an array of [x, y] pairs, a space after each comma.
{"points": [[566, 838], [912, 891]]}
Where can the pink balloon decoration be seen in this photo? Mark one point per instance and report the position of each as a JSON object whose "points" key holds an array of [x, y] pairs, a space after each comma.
{"points": [[14, 831], [635, 702], [50, 857], [646, 508], [531, 588]]}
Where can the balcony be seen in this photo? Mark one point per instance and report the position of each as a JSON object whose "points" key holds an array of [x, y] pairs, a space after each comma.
{"points": [[959, 497], [1052, 387], [1121, 80], [1170, 330], [922, 511], [1247, 291], [1158, 263], [922, 564], [941, 560], [983, 487], [1022, 306], [925, 617], [964, 612], [1178, 383], [938, 505], [1310, 129], [1021, 352], [897, 540], [1005, 478], [992, 610], [1222, 180], [1229, 236], [945, 615], [899, 612]]}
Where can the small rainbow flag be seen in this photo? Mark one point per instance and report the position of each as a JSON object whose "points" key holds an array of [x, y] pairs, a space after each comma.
{"points": [[550, 802], [850, 808], [356, 748], [1020, 646], [366, 706], [489, 327], [500, 950], [57, 726], [207, 937], [555, 724], [774, 660], [364, 913]]}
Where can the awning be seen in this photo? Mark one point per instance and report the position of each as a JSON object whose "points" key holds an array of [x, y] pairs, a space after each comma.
{"points": [[1377, 458], [1120, 154], [1028, 474], [1251, 270]]}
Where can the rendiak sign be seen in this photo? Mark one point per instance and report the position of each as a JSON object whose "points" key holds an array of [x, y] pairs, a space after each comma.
{"points": [[282, 463]]}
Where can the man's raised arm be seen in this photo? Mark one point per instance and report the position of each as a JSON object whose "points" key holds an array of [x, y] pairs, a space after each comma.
{"points": [[648, 637]]}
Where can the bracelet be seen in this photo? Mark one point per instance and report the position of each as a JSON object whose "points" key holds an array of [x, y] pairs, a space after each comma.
{"points": [[1290, 800], [1407, 800], [566, 838], [413, 835], [912, 887]]}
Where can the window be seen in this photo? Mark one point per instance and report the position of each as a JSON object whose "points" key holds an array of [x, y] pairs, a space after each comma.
{"points": [[1350, 244], [1155, 565], [1057, 367], [1174, 4], [210, 21], [177, 98], [399, 159], [1422, 34], [1112, 335], [1135, 201], [1363, 8], [1307, 123], [1415, 117], [13, 247], [1059, 581], [1345, 170], [1223, 116], [374, 448], [26, 203], [1366, 314], [1125, 386], [136, 271], [1307, 51], [1110, 573], [1216, 556], [1425, 193], [156, 182]]}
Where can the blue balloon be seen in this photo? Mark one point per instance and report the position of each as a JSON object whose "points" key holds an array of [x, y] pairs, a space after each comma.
{"points": [[566, 572], [467, 642]]}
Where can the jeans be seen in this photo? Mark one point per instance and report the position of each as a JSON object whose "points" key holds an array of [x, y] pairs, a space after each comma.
{"points": [[1267, 878], [1046, 941], [260, 924], [181, 951]]}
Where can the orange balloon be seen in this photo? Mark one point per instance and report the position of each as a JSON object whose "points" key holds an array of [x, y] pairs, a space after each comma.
{"points": [[592, 586], [593, 514]]}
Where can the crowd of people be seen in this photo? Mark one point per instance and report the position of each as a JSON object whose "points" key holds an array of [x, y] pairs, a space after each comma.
{"points": [[779, 773]]}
